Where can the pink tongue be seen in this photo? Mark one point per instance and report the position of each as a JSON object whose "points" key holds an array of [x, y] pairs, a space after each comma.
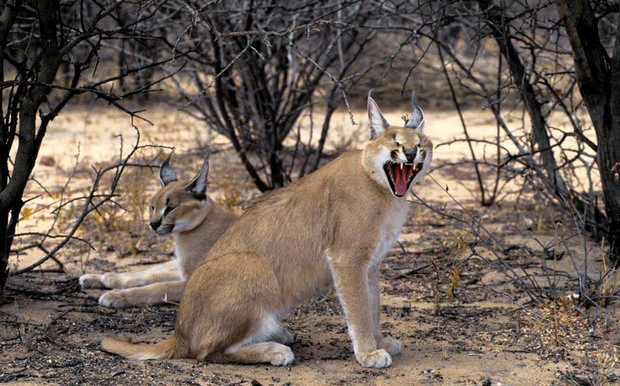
{"points": [[400, 180]]}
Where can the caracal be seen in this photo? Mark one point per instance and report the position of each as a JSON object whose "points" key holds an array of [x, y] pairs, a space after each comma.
{"points": [[330, 228], [196, 222]]}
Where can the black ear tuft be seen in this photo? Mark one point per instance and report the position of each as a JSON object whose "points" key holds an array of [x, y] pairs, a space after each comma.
{"points": [[376, 121], [166, 172], [416, 120], [198, 185]]}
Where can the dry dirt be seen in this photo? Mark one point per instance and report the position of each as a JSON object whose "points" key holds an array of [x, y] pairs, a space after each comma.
{"points": [[461, 317]]}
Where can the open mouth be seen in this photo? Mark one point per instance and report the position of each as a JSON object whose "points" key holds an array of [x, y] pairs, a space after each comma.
{"points": [[400, 175]]}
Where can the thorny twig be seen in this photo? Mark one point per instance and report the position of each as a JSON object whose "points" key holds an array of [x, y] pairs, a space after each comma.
{"points": [[90, 205]]}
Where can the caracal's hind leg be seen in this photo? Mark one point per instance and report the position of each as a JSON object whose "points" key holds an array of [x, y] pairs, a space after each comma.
{"points": [[273, 353], [267, 344], [156, 293], [230, 312], [168, 271]]}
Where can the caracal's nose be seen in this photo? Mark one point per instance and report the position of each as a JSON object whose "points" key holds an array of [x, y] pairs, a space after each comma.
{"points": [[155, 224]]}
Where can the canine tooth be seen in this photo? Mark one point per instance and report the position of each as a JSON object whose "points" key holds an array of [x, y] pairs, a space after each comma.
{"points": [[401, 166]]}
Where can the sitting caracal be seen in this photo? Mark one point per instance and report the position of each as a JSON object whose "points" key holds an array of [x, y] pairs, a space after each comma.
{"points": [[333, 227], [184, 210]]}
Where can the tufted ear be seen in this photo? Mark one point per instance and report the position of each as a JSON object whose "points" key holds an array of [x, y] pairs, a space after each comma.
{"points": [[377, 122], [198, 185], [416, 120], [166, 172]]}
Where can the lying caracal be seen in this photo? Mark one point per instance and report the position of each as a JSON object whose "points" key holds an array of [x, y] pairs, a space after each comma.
{"points": [[332, 227], [184, 210]]}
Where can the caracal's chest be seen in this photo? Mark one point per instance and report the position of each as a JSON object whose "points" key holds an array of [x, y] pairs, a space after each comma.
{"points": [[389, 230]]}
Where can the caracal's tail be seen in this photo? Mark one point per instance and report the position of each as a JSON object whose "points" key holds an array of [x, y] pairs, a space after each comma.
{"points": [[166, 349]]}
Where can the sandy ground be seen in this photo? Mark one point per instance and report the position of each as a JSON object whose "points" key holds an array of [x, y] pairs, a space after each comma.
{"points": [[456, 308]]}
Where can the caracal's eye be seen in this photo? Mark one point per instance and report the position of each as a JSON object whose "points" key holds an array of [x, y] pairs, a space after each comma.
{"points": [[169, 209], [152, 208], [396, 142]]}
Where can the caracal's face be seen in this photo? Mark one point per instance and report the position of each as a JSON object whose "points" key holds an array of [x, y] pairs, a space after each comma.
{"points": [[179, 207], [398, 158], [174, 209], [403, 155]]}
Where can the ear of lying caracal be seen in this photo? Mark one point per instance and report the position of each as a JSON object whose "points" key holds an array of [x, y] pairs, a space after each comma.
{"points": [[332, 227], [184, 210]]}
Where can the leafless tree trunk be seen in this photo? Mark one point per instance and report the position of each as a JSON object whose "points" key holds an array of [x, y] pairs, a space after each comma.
{"points": [[529, 37], [30, 96], [35, 39], [598, 77], [549, 170]]}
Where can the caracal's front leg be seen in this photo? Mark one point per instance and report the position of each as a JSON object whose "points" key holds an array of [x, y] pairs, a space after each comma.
{"points": [[156, 293], [351, 284], [391, 345], [163, 272]]}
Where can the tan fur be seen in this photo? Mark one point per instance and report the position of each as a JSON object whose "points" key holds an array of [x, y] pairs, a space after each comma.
{"points": [[332, 227], [196, 222]]}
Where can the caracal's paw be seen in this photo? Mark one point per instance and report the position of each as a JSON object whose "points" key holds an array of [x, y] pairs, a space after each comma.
{"points": [[376, 359], [391, 345], [115, 299], [112, 280], [91, 280], [281, 355]]}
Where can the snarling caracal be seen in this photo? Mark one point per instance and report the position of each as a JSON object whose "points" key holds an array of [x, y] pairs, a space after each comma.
{"points": [[332, 227]]}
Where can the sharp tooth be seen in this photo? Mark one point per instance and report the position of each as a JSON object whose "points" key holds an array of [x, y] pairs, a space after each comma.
{"points": [[401, 166]]}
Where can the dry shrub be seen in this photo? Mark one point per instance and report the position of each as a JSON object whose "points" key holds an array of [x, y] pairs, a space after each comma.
{"points": [[230, 195]]}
